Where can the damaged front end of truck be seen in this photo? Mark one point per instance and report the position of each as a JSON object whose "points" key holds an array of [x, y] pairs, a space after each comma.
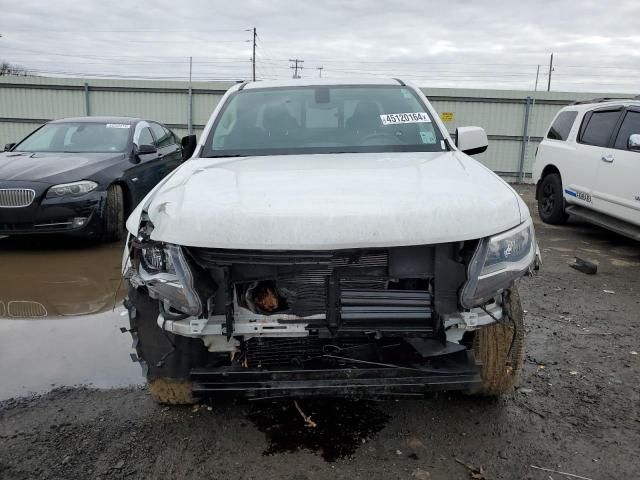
{"points": [[373, 321]]}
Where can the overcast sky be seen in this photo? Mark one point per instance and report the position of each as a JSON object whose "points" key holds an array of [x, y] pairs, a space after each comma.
{"points": [[457, 43]]}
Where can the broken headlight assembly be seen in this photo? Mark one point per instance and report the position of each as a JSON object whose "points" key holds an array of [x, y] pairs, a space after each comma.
{"points": [[167, 275], [498, 261]]}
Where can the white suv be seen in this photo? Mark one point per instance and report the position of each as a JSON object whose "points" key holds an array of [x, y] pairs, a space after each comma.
{"points": [[589, 166]]}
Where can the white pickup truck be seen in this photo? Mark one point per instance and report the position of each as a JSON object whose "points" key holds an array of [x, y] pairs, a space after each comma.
{"points": [[328, 239], [588, 166]]}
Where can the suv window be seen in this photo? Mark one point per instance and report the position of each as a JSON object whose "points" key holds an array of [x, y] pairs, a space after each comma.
{"points": [[562, 126], [598, 127], [630, 125], [163, 136]]}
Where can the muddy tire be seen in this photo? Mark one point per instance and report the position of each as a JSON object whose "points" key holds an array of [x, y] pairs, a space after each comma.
{"points": [[551, 200], [499, 349], [114, 214], [167, 369]]}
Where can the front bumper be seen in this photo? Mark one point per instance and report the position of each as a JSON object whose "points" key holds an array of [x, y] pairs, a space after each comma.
{"points": [[457, 374], [68, 215]]}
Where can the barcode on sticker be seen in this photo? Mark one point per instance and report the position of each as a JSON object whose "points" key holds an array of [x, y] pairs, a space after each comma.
{"points": [[395, 118], [118, 125]]}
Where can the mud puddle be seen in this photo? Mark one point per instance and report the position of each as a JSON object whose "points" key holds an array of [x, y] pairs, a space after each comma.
{"points": [[341, 426], [58, 326]]}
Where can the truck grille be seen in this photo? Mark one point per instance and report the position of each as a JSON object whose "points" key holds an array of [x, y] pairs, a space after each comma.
{"points": [[16, 197]]}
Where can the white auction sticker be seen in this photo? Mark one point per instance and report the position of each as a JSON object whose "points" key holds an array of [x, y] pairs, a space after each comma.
{"points": [[118, 125], [395, 118]]}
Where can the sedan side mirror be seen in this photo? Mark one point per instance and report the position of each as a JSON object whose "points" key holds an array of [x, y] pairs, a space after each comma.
{"points": [[146, 149], [471, 140], [634, 143], [9, 146], [189, 144]]}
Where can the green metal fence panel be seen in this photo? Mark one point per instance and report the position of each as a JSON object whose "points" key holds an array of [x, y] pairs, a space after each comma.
{"points": [[27, 102]]}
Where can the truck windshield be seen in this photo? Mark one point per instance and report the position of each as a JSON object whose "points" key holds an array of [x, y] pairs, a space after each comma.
{"points": [[77, 137], [322, 119]]}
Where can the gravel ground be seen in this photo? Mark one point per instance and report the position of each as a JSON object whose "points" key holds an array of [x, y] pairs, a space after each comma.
{"points": [[577, 411]]}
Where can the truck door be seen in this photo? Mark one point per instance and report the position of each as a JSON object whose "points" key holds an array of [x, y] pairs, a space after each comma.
{"points": [[594, 146], [617, 183]]}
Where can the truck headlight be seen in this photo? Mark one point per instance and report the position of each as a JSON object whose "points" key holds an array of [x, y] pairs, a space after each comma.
{"points": [[73, 189], [168, 277], [497, 263]]}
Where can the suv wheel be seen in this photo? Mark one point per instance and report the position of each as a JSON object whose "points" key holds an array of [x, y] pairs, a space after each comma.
{"points": [[551, 201], [166, 359], [499, 349]]}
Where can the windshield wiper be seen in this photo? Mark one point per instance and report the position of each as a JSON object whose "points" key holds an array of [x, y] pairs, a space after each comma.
{"points": [[226, 156]]}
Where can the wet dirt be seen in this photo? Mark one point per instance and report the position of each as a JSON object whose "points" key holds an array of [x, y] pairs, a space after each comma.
{"points": [[577, 411]]}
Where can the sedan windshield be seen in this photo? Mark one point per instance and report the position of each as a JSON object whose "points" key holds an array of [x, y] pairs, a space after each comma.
{"points": [[77, 137], [323, 119]]}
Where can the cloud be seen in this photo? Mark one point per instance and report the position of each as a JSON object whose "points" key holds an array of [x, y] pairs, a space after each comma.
{"points": [[459, 43]]}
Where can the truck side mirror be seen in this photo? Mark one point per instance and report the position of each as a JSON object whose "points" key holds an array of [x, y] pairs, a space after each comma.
{"points": [[471, 140], [634, 143], [189, 144]]}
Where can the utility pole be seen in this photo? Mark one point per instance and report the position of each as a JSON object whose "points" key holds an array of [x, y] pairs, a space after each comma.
{"points": [[295, 67], [550, 70], [255, 36], [190, 104], [319, 71], [253, 57]]}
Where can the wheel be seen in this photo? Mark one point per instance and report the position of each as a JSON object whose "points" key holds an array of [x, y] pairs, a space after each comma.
{"points": [[499, 349], [114, 214], [166, 359], [551, 201]]}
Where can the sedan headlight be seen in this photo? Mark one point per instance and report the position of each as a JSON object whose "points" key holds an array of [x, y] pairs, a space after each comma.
{"points": [[72, 189], [168, 277], [498, 262]]}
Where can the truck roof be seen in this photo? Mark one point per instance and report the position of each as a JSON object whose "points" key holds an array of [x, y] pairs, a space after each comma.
{"points": [[308, 82]]}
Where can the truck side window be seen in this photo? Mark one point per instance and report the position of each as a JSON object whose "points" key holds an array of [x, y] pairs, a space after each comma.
{"points": [[599, 128], [562, 126], [630, 125]]}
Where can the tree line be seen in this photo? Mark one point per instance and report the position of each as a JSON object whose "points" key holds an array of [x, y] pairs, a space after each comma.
{"points": [[8, 69]]}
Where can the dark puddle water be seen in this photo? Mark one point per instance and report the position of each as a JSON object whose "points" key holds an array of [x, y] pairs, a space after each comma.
{"points": [[342, 425], [58, 325]]}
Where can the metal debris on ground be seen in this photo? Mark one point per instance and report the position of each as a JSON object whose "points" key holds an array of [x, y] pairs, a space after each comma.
{"points": [[475, 473], [610, 292], [584, 266], [307, 419], [561, 473]]}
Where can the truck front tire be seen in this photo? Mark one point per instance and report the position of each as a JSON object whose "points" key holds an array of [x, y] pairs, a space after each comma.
{"points": [[551, 200], [166, 358], [499, 349]]}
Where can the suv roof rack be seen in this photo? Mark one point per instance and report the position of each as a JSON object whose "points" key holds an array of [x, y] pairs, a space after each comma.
{"points": [[603, 99]]}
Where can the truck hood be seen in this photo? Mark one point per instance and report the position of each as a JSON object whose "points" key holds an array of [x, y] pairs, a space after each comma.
{"points": [[325, 202]]}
